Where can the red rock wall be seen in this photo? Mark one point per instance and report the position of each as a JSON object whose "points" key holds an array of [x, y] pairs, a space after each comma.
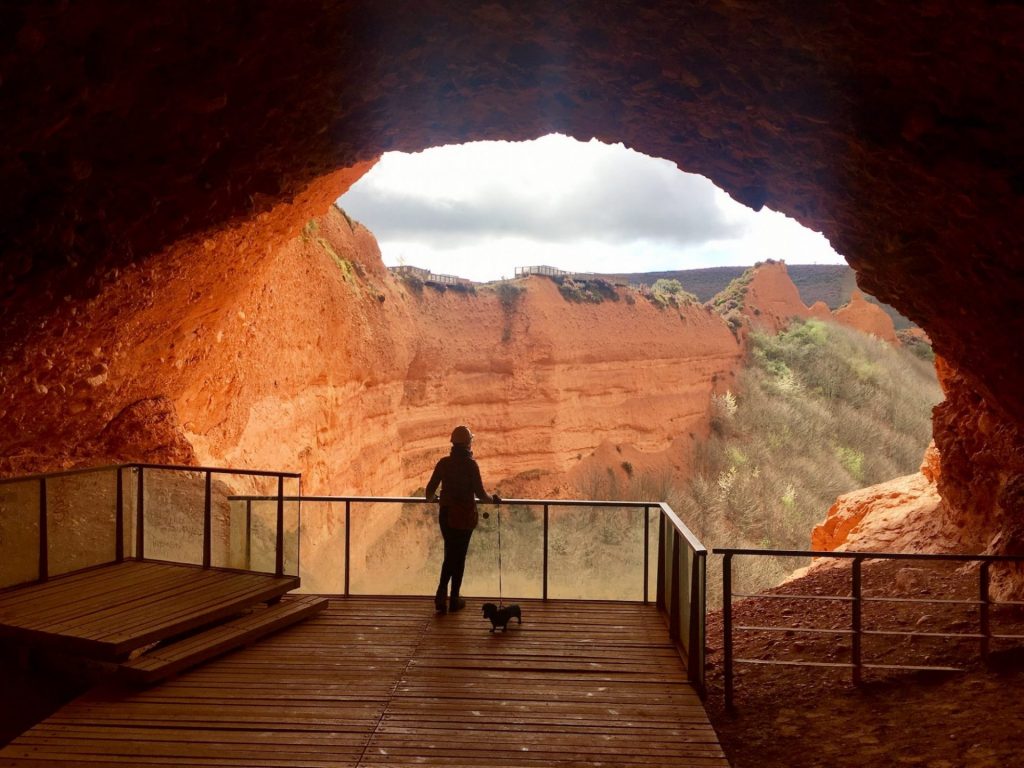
{"points": [[982, 468], [771, 300], [313, 357], [866, 317]]}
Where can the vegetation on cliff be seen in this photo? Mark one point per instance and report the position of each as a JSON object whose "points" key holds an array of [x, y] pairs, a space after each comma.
{"points": [[821, 410]]}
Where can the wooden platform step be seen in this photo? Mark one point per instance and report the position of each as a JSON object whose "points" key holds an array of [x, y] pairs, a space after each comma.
{"points": [[161, 663]]}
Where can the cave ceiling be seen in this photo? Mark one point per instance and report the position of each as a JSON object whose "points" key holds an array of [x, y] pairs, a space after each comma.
{"points": [[894, 128]]}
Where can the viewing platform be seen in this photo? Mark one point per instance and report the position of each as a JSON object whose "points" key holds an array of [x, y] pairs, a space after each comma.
{"points": [[349, 679]]}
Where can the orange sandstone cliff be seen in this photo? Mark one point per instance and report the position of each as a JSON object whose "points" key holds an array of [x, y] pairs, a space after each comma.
{"points": [[771, 300], [866, 317], [311, 356]]}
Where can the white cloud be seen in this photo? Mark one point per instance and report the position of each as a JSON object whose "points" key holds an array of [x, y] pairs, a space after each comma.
{"points": [[479, 210]]}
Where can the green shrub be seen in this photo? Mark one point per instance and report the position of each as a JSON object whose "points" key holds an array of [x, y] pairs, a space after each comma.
{"points": [[665, 293], [592, 291], [820, 410], [734, 294]]}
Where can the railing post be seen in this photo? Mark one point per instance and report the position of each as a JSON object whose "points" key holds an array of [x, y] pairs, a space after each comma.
{"points": [[856, 617], [727, 626], [208, 522], [647, 556], [119, 518], [696, 641], [279, 559], [659, 588], [248, 534], [675, 607], [44, 544], [348, 542], [140, 519], [545, 585], [983, 596]]}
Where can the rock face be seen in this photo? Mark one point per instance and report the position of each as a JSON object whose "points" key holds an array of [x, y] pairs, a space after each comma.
{"points": [[983, 468], [902, 515], [771, 301], [315, 358], [867, 318], [894, 128]]}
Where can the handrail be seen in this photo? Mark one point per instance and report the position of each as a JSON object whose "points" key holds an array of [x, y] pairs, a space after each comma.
{"points": [[60, 473], [856, 601], [691, 539], [954, 557], [141, 465], [421, 500]]}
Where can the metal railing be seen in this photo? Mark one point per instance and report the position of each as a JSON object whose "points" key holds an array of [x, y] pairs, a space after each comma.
{"points": [[681, 561], [856, 601], [44, 483]]}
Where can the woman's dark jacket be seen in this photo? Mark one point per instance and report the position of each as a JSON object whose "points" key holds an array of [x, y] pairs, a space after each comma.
{"points": [[459, 478]]}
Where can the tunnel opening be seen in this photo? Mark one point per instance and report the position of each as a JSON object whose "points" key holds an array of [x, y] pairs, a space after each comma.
{"points": [[166, 144]]}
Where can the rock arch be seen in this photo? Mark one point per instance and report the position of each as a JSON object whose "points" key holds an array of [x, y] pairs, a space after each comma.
{"points": [[893, 128]]}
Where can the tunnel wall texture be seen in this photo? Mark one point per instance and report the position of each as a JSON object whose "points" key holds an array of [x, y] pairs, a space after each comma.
{"points": [[894, 128]]}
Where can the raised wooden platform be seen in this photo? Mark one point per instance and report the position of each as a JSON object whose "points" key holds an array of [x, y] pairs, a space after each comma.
{"points": [[108, 612], [384, 682]]}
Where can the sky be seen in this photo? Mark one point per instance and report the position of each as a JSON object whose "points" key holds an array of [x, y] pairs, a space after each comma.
{"points": [[480, 210]]}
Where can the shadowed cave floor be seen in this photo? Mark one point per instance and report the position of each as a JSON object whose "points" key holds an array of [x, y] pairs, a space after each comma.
{"points": [[799, 717]]}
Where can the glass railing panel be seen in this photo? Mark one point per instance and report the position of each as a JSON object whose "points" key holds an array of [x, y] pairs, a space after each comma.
{"points": [[81, 520], [231, 519], [19, 532], [262, 537], [522, 554], [395, 549], [653, 514], [292, 535], [322, 547], [173, 503], [667, 585], [596, 553]]}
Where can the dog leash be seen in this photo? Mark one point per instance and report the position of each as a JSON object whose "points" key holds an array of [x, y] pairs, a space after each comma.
{"points": [[501, 602]]}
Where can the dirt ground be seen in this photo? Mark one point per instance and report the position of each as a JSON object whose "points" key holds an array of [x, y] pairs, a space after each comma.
{"points": [[799, 717]]}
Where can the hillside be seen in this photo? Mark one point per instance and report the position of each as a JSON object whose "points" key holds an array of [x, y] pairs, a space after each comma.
{"points": [[312, 357], [832, 284], [819, 411]]}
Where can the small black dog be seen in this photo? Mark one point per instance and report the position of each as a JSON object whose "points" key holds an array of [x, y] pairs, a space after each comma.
{"points": [[500, 616]]}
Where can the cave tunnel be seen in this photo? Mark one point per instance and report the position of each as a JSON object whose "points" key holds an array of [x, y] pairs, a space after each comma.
{"points": [[895, 129]]}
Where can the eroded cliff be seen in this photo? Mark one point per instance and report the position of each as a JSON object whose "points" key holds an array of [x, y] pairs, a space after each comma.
{"points": [[313, 357]]}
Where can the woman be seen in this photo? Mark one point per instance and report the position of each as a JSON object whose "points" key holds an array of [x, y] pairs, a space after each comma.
{"points": [[459, 478]]}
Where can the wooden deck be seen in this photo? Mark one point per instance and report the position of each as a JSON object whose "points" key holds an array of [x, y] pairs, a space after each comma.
{"points": [[107, 612], [383, 682]]}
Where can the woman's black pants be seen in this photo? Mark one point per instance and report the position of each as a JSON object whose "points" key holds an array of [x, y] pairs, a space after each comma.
{"points": [[456, 546]]}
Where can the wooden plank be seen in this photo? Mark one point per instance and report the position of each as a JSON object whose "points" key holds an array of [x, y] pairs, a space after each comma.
{"points": [[192, 651]]}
